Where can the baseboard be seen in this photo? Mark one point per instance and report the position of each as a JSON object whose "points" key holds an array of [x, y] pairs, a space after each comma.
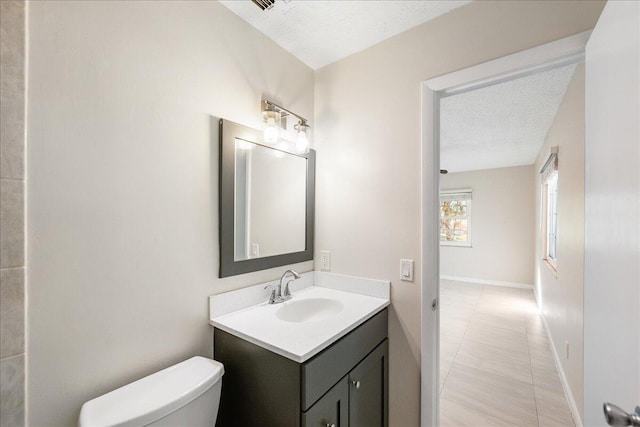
{"points": [[488, 282], [556, 358]]}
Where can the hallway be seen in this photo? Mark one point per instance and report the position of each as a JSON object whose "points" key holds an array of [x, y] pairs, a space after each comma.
{"points": [[496, 363]]}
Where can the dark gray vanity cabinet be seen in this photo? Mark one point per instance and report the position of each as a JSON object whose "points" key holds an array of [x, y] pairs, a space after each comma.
{"points": [[345, 385]]}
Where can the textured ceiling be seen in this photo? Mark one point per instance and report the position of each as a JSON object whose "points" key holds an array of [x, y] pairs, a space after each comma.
{"points": [[502, 125], [319, 32]]}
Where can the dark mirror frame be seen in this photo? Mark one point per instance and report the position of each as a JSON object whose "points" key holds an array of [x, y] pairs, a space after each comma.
{"points": [[228, 132]]}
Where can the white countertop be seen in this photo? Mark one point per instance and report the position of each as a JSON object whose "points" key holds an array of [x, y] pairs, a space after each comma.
{"points": [[299, 341]]}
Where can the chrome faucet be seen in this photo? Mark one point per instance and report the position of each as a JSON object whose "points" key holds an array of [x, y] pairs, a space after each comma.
{"points": [[285, 291], [278, 292]]}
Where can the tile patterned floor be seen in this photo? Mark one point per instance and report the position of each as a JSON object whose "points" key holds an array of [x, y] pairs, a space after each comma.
{"points": [[496, 365]]}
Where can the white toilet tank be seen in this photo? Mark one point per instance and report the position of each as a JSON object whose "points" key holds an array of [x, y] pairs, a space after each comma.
{"points": [[186, 395]]}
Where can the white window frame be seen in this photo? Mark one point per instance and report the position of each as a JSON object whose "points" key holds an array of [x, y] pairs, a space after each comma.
{"points": [[468, 195], [550, 221], [549, 214]]}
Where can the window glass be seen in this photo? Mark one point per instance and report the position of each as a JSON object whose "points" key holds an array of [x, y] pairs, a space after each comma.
{"points": [[455, 211], [552, 217]]}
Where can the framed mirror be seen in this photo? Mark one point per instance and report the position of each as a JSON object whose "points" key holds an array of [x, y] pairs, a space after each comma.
{"points": [[266, 202]]}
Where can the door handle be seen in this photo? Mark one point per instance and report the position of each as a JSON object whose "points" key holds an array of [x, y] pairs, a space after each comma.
{"points": [[618, 417]]}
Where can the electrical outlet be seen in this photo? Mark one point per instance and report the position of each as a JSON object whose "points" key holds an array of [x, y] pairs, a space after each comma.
{"points": [[325, 260], [566, 349]]}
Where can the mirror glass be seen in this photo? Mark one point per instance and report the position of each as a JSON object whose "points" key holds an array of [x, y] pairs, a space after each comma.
{"points": [[270, 195], [267, 204]]}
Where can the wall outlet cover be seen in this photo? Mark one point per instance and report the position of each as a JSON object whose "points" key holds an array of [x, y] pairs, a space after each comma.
{"points": [[406, 270], [325, 260]]}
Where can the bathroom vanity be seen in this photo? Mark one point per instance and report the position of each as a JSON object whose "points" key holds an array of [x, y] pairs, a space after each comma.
{"points": [[320, 359]]}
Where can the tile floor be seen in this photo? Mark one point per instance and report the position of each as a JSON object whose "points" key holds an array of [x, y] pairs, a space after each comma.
{"points": [[496, 365]]}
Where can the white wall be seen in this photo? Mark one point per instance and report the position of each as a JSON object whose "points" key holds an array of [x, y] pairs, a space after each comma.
{"points": [[122, 185], [612, 213], [368, 142], [502, 226], [561, 295]]}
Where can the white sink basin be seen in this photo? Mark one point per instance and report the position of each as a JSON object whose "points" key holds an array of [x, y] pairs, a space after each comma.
{"points": [[300, 328], [309, 310]]}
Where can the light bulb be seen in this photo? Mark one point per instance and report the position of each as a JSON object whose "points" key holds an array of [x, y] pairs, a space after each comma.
{"points": [[302, 142], [271, 132]]}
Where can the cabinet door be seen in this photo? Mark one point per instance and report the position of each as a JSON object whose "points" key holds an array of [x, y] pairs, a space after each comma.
{"points": [[332, 410], [369, 390]]}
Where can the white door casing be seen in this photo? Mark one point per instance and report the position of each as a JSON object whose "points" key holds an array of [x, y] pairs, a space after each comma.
{"points": [[612, 213], [560, 52]]}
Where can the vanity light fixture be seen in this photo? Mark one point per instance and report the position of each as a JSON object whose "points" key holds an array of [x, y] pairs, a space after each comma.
{"points": [[272, 115]]}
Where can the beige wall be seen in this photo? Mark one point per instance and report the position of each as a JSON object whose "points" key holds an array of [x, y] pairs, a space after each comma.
{"points": [[502, 226], [368, 141], [122, 154], [561, 298], [12, 232]]}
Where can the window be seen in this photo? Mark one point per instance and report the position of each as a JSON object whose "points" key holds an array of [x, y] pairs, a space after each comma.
{"points": [[552, 218], [455, 218], [549, 214]]}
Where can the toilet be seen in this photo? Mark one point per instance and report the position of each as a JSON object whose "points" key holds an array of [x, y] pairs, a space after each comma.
{"points": [[186, 394]]}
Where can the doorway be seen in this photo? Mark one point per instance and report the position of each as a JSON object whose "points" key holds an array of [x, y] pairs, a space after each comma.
{"points": [[552, 56]]}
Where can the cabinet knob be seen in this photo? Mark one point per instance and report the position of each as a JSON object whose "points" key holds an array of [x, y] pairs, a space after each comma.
{"points": [[355, 383]]}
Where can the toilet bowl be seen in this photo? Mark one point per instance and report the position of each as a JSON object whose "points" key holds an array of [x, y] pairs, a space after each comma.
{"points": [[186, 394]]}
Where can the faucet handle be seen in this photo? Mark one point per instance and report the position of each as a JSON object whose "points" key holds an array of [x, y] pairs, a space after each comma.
{"points": [[285, 291], [272, 297]]}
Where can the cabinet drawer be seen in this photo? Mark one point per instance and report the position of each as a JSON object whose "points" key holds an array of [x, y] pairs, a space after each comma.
{"points": [[319, 374]]}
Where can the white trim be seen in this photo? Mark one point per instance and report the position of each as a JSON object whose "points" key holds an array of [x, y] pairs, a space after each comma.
{"points": [[488, 282], [551, 55], [429, 259], [454, 191], [569, 50], [575, 413], [455, 244]]}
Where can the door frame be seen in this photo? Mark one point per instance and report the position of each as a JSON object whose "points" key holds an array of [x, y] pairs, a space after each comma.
{"points": [[565, 51]]}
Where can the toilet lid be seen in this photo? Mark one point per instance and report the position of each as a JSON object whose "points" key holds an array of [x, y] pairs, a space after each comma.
{"points": [[153, 397]]}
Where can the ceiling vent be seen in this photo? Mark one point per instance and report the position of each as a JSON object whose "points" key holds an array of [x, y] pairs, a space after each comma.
{"points": [[264, 4]]}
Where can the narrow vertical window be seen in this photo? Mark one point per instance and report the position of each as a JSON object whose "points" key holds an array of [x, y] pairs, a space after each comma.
{"points": [[549, 179], [552, 217], [455, 218]]}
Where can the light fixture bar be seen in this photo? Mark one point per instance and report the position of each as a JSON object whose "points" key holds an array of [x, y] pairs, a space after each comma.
{"points": [[268, 105], [272, 116]]}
